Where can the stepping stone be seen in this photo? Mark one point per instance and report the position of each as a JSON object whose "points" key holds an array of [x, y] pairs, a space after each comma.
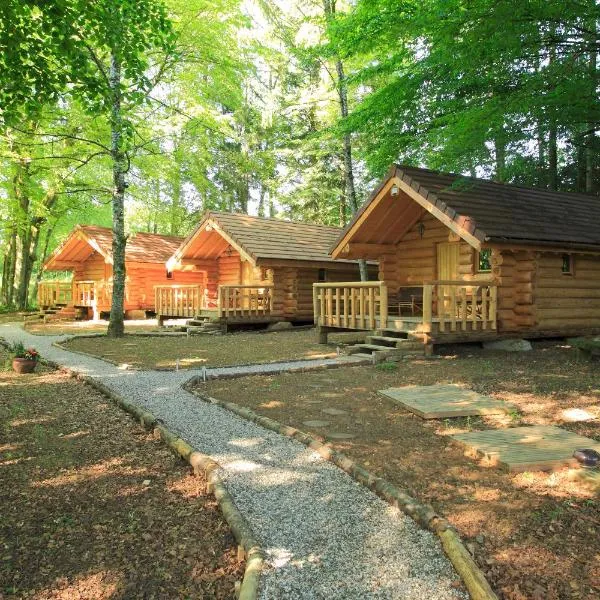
{"points": [[445, 401], [535, 448], [340, 436], [315, 423], [334, 411]]}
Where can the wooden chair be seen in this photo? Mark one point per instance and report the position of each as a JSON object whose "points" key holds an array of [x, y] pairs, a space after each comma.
{"points": [[408, 298]]}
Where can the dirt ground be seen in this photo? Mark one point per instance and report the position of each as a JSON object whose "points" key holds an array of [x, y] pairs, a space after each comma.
{"points": [[205, 350], [93, 507], [534, 534], [76, 327]]}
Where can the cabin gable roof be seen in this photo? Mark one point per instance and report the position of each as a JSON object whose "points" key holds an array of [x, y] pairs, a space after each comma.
{"points": [[256, 239], [478, 210], [84, 240]]}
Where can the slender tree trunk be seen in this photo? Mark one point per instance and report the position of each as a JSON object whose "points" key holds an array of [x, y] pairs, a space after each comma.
{"points": [[342, 89], [590, 145], [552, 153], [42, 258], [261, 202], [29, 246], [175, 202], [500, 150], [9, 269], [116, 326]]}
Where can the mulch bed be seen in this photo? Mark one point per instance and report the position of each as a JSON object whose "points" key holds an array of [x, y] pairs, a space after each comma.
{"points": [[534, 534], [95, 507]]}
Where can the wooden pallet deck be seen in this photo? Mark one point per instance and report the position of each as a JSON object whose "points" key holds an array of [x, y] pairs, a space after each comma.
{"points": [[445, 401], [535, 448]]}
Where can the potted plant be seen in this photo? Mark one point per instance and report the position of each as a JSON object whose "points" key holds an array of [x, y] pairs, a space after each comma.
{"points": [[24, 359]]}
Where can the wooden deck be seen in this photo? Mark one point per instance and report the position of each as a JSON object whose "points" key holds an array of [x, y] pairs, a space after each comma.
{"points": [[535, 448], [452, 310], [445, 401]]}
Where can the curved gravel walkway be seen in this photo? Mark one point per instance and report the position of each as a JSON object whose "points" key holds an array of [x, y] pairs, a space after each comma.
{"points": [[326, 536]]}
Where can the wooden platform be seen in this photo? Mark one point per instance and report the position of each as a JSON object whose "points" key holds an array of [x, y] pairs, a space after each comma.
{"points": [[445, 401], [535, 448]]}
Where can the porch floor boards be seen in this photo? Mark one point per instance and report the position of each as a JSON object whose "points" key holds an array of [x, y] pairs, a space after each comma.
{"points": [[532, 448], [445, 401]]}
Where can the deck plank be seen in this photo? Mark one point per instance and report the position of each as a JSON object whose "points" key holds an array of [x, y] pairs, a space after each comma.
{"points": [[530, 448], [445, 401]]}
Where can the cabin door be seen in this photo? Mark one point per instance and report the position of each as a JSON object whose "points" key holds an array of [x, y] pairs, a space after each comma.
{"points": [[447, 270]]}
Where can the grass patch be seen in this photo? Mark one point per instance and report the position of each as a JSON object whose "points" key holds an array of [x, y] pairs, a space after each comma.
{"points": [[534, 534], [94, 507], [205, 350]]}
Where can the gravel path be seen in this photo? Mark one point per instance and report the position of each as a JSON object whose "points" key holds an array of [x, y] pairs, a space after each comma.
{"points": [[326, 536]]}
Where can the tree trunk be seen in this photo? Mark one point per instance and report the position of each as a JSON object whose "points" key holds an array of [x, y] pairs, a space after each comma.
{"points": [[43, 256], [552, 154], [29, 245], [589, 147], [500, 150], [342, 89], [116, 326], [8, 271]]}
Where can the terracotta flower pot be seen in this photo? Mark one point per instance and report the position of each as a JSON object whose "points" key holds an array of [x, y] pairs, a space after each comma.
{"points": [[23, 365]]}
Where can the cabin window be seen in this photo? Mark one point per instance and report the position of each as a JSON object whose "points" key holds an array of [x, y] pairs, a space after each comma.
{"points": [[264, 274], [567, 264], [169, 274], [484, 260], [322, 275]]}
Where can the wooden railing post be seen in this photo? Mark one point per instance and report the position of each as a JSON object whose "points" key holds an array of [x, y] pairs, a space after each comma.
{"points": [[427, 305], [383, 305]]}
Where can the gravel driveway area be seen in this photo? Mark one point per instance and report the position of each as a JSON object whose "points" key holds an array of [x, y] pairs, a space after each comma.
{"points": [[326, 536]]}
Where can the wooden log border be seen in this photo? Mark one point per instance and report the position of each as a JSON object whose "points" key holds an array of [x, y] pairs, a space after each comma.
{"points": [[472, 576], [252, 551]]}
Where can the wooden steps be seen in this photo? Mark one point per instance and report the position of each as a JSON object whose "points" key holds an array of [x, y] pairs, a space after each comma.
{"points": [[200, 326], [388, 346]]}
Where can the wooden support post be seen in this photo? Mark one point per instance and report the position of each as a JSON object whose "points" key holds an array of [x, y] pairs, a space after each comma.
{"points": [[427, 304], [322, 332]]}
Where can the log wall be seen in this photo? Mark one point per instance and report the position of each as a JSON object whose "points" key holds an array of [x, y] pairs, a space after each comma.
{"points": [[564, 301], [414, 260]]}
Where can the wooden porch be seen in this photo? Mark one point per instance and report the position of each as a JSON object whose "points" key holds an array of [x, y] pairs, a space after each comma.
{"points": [[52, 294], [434, 311], [233, 304]]}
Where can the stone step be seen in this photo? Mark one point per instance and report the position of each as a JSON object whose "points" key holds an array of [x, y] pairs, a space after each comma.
{"points": [[392, 342], [196, 322]]}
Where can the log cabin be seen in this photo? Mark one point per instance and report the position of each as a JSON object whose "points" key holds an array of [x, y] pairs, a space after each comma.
{"points": [[251, 270], [465, 259], [87, 253]]}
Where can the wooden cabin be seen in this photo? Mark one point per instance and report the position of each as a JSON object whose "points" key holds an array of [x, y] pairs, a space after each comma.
{"points": [[251, 270], [87, 253], [464, 259]]}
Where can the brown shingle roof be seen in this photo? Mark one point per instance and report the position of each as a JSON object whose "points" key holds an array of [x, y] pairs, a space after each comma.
{"points": [[501, 212], [141, 247], [265, 238]]}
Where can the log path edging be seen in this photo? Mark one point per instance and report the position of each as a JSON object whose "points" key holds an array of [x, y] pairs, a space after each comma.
{"points": [[423, 514], [253, 552]]}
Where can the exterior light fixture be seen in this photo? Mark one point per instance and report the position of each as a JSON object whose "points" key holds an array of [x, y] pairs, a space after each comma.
{"points": [[394, 190], [228, 251], [421, 229]]}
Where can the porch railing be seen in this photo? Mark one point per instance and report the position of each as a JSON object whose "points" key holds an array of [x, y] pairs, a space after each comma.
{"points": [[350, 305], [460, 305], [84, 293], [251, 301], [51, 293], [177, 300]]}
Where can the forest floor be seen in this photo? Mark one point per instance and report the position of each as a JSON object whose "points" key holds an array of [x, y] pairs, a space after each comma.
{"points": [[95, 507], [82, 327], [534, 533], [206, 350]]}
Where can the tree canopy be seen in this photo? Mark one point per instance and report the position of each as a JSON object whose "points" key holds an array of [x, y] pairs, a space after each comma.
{"points": [[156, 110]]}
